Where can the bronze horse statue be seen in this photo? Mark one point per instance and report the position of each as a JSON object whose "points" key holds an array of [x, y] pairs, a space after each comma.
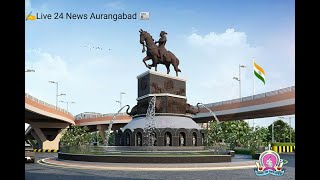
{"points": [[153, 53]]}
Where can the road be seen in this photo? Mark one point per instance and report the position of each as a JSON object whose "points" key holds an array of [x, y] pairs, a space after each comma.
{"points": [[35, 171]]}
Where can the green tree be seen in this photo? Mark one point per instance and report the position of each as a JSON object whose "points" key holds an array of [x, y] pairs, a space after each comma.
{"points": [[262, 134], [111, 140], [76, 136], [96, 137], [236, 133], [281, 131], [213, 133], [233, 132], [293, 136], [258, 137], [239, 134]]}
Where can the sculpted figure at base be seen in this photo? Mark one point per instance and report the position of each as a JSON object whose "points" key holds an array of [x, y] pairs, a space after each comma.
{"points": [[133, 111], [192, 110], [168, 140], [181, 140]]}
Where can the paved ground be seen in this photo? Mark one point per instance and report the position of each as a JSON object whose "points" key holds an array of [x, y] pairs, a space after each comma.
{"points": [[37, 171]]}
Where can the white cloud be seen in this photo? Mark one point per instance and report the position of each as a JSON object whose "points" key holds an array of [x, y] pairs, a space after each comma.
{"points": [[117, 5], [230, 38], [47, 65], [218, 57], [93, 84]]}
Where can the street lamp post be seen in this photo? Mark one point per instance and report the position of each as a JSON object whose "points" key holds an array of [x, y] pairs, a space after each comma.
{"points": [[273, 131], [120, 102], [290, 127], [239, 78], [240, 66], [29, 70], [281, 117], [67, 102], [57, 94], [121, 98]]}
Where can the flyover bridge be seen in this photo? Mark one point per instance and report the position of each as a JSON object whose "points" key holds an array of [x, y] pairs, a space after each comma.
{"points": [[274, 103], [45, 121]]}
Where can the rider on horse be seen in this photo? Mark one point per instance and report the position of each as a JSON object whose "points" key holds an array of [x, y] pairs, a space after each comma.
{"points": [[155, 53], [162, 42]]}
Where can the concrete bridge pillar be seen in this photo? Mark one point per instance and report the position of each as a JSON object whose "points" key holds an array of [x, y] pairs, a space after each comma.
{"points": [[36, 137], [43, 142]]}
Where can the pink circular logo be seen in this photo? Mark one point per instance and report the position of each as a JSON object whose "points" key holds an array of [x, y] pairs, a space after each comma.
{"points": [[269, 161]]}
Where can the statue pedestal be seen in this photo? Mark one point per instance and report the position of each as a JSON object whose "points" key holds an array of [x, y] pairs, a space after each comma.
{"points": [[170, 93], [172, 123]]}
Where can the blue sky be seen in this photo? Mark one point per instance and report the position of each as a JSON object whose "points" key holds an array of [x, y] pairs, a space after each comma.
{"points": [[211, 38]]}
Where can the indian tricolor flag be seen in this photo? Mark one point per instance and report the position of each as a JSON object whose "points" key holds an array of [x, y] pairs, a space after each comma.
{"points": [[259, 72]]}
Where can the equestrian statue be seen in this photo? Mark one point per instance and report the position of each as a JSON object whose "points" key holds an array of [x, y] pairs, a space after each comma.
{"points": [[158, 54]]}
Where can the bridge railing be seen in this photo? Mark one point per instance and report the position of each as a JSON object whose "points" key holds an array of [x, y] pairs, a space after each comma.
{"points": [[94, 115], [250, 98], [46, 104]]}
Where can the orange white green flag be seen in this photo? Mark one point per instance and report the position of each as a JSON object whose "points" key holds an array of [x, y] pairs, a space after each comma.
{"points": [[259, 72]]}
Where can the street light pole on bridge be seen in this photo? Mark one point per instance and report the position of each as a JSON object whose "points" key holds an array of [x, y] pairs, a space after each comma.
{"points": [[120, 102], [239, 79], [29, 70], [57, 92], [67, 102]]}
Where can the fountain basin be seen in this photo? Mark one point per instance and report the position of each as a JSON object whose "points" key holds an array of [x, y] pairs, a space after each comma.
{"points": [[144, 154], [146, 158]]}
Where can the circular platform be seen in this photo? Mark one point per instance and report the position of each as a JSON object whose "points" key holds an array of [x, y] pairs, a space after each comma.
{"points": [[237, 163], [149, 157]]}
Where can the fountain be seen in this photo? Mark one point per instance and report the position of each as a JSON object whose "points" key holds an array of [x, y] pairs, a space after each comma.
{"points": [[148, 136], [215, 117], [161, 129], [111, 123], [161, 98]]}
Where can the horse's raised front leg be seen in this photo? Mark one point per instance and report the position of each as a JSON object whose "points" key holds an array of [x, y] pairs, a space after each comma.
{"points": [[144, 61]]}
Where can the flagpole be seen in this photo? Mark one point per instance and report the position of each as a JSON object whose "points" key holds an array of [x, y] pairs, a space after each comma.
{"points": [[253, 92]]}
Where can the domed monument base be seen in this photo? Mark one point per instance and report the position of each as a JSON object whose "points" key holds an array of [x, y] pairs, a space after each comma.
{"points": [[173, 124], [175, 137]]}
